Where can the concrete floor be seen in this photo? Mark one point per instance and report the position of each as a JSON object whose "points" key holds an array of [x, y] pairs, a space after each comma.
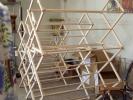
{"points": [[20, 92], [68, 96]]}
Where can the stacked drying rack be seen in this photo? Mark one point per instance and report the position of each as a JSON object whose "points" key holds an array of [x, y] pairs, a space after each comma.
{"points": [[43, 66]]}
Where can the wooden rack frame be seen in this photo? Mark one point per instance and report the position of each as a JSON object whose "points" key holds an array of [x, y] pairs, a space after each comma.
{"points": [[43, 62]]}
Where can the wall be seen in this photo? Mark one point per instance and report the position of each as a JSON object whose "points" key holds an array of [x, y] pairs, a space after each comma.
{"points": [[123, 29], [126, 36], [46, 3]]}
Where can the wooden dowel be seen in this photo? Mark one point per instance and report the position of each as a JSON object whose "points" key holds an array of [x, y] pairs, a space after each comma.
{"points": [[77, 64], [69, 36], [73, 11], [58, 86], [68, 77], [45, 65], [63, 92], [77, 47], [74, 46], [82, 98], [58, 51], [42, 40], [72, 36], [64, 23], [65, 30], [73, 90], [42, 77], [50, 70]]}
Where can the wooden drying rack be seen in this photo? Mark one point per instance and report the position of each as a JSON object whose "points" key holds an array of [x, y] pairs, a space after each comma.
{"points": [[34, 53]]}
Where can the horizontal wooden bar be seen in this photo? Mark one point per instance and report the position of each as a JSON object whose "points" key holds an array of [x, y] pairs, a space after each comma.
{"points": [[72, 66], [73, 46], [82, 98], [59, 86], [74, 90], [68, 36], [64, 23], [57, 62], [73, 11], [67, 77], [65, 30], [58, 51]]}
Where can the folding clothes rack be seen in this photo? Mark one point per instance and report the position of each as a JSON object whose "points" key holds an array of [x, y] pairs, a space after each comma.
{"points": [[43, 66]]}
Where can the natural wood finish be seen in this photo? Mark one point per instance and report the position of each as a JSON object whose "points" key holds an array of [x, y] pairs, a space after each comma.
{"points": [[43, 57], [73, 11]]}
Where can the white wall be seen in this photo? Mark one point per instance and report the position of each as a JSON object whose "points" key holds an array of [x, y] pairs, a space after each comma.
{"points": [[46, 4], [124, 28], [125, 33]]}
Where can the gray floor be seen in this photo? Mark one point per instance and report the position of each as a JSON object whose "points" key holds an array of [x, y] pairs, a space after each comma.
{"points": [[20, 92], [76, 95]]}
